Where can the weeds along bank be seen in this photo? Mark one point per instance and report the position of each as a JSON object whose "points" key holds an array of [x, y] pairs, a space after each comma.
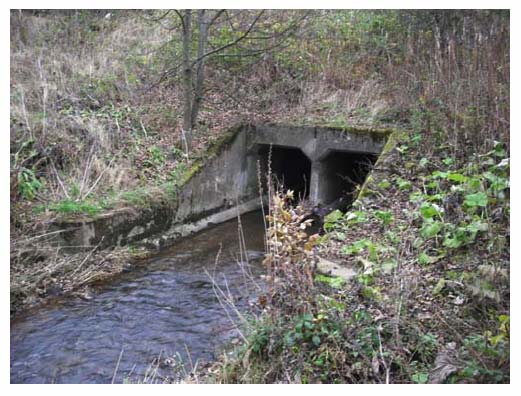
{"points": [[95, 124], [430, 301]]}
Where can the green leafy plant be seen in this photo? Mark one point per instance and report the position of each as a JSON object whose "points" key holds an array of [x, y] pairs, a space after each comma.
{"points": [[476, 200], [386, 216], [420, 378], [332, 219], [429, 210], [403, 184], [430, 228], [335, 282], [72, 207], [28, 183]]}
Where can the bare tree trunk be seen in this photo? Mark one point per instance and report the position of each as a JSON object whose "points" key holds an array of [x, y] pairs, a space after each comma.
{"points": [[199, 78], [186, 131]]}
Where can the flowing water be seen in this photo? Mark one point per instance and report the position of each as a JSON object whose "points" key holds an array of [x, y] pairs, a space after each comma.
{"points": [[162, 311]]}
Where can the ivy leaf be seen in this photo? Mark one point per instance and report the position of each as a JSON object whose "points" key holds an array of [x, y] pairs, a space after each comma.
{"points": [[453, 243], [333, 216], [420, 378], [456, 177], [385, 216], [403, 184], [441, 175], [431, 229], [474, 200], [316, 340], [425, 259], [429, 210]]}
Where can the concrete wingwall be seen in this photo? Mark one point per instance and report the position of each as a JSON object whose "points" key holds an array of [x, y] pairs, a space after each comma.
{"points": [[227, 185]]}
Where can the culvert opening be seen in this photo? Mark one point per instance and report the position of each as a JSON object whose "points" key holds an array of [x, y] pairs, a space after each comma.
{"points": [[289, 166], [341, 173]]}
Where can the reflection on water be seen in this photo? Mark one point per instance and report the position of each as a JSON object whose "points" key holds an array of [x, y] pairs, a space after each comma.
{"points": [[165, 306]]}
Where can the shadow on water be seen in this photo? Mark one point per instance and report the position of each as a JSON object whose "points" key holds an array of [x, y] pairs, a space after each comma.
{"points": [[162, 308]]}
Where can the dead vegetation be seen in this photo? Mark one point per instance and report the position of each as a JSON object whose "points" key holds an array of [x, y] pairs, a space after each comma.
{"points": [[430, 233]]}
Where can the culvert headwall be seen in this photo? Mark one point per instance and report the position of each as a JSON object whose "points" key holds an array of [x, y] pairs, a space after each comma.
{"points": [[320, 164]]}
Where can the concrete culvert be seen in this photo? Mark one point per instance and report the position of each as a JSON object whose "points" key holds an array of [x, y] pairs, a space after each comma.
{"points": [[289, 166], [340, 173]]}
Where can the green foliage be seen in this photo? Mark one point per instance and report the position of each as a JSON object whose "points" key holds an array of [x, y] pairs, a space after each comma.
{"points": [[260, 338], [423, 162], [72, 207], [448, 161], [456, 177], [476, 200], [356, 217], [312, 330], [334, 282], [403, 184], [156, 157], [488, 347], [28, 183], [138, 197], [384, 184], [331, 220], [177, 176], [425, 259], [439, 287], [431, 228], [463, 234], [420, 378], [385, 216], [429, 210], [356, 247]]}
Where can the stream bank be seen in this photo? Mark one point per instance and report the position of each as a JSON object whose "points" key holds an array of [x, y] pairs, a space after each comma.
{"points": [[159, 313]]}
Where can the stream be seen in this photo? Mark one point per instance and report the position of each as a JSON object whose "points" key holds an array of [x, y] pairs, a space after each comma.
{"points": [[163, 311]]}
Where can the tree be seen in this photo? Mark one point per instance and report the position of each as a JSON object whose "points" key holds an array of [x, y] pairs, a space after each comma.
{"points": [[201, 40]]}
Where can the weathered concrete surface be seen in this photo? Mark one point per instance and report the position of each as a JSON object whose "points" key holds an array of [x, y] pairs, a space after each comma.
{"points": [[114, 228], [330, 268], [227, 185], [316, 143]]}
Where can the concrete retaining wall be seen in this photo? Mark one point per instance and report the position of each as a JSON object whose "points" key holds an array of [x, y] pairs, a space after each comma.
{"points": [[227, 185]]}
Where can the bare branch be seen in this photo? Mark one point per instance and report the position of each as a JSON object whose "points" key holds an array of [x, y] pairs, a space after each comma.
{"points": [[239, 39], [156, 19], [216, 16], [181, 18]]}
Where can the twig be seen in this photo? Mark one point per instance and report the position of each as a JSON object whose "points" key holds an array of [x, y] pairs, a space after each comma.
{"points": [[98, 179], [117, 366], [87, 257], [387, 368], [58, 178], [221, 295], [36, 237], [90, 159]]}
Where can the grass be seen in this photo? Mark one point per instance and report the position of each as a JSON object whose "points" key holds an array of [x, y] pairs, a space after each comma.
{"points": [[432, 289], [71, 207], [430, 229]]}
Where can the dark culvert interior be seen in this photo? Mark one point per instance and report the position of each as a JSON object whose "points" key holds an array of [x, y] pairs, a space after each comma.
{"points": [[341, 172], [290, 167]]}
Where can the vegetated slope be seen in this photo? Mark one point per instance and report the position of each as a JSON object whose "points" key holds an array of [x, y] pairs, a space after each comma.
{"points": [[90, 126], [430, 237], [430, 303]]}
